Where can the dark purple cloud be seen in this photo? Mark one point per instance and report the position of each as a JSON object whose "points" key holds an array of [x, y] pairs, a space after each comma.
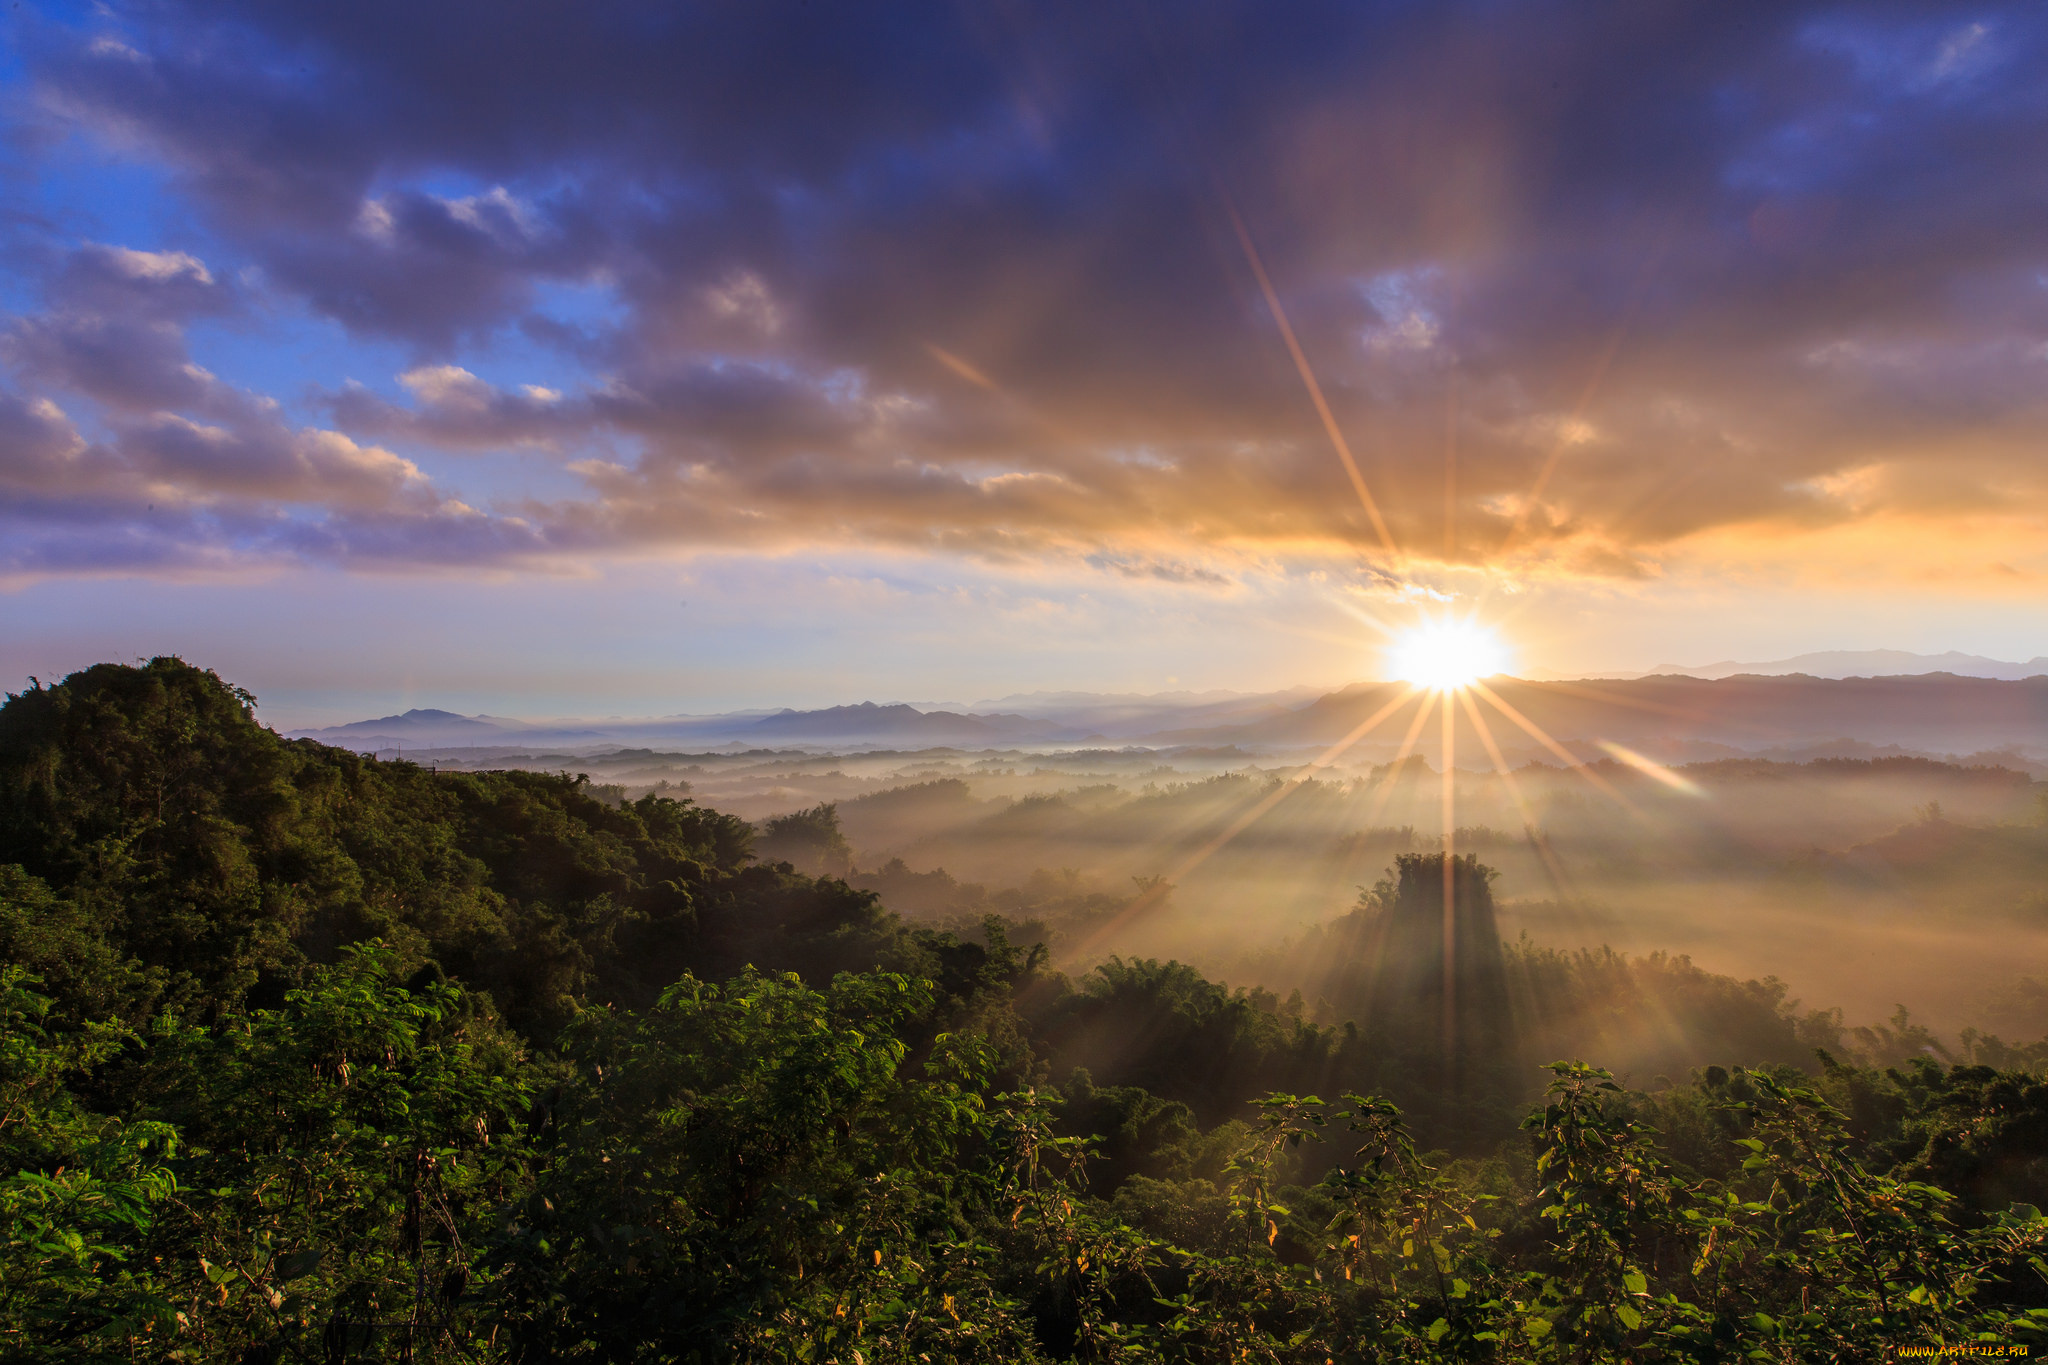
{"points": [[967, 279]]}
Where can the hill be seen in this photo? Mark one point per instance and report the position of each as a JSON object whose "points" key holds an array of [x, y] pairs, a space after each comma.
{"points": [[1869, 663], [306, 1056], [869, 723], [1939, 712]]}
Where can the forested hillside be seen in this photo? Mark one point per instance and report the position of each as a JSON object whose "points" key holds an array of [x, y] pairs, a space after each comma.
{"points": [[309, 1056]]}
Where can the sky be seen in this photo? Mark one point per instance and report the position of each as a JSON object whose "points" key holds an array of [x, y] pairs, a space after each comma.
{"points": [[622, 358]]}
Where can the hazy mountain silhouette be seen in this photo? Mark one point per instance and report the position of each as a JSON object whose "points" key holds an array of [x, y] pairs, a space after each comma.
{"points": [[867, 721], [1868, 663], [1130, 713], [1937, 711], [422, 727], [1745, 713]]}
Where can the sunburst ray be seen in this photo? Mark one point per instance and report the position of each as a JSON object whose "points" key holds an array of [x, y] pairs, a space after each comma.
{"points": [[1157, 892], [1537, 733], [1393, 777], [1308, 379], [1545, 854]]}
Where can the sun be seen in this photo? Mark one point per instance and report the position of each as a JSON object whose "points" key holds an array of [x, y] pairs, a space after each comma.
{"points": [[1444, 655]]}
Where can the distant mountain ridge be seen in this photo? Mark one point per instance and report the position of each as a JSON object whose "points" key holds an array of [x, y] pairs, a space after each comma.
{"points": [[1127, 713], [1940, 712], [867, 721], [1937, 712], [863, 723], [418, 721], [1866, 663], [1040, 717]]}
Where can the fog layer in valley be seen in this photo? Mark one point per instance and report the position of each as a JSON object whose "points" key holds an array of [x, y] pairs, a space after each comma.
{"points": [[1860, 875]]}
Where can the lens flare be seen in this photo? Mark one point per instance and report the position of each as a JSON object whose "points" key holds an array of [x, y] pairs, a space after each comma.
{"points": [[1652, 768], [1445, 655]]}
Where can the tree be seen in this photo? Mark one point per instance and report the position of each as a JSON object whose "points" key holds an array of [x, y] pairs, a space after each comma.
{"points": [[809, 841]]}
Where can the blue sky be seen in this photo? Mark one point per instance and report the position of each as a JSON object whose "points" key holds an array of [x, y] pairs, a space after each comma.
{"points": [[658, 358]]}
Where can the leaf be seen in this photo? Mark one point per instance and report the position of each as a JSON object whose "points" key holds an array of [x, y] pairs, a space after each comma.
{"points": [[1634, 1282], [1630, 1318], [1438, 1330], [298, 1265]]}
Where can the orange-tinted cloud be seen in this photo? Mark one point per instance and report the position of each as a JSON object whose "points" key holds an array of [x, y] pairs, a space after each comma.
{"points": [[1677, 287]]}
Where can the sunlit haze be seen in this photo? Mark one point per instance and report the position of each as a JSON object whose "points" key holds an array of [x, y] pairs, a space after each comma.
{"points": [[1445, 654]]}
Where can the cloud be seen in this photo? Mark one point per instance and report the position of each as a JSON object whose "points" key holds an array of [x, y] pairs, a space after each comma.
{"points": [[1164, 571], [38, 445], [423, 267], [152, 285], [268, 462], [166, 466], [927, 278]]}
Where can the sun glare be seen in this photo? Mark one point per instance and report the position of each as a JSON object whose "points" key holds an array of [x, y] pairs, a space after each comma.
{"points": [[1446, 655]]}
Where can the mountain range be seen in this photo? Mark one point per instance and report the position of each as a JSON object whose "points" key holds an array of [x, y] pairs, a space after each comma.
{"points": [[1934, 712], [902, 723], [1941, 712], [1867, 663]]}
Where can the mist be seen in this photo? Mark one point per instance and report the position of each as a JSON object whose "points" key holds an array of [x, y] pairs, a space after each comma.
{"points": [[1861, 884]]}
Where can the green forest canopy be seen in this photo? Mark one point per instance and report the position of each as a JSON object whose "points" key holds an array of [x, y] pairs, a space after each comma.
{"points": [[313, 1057]]}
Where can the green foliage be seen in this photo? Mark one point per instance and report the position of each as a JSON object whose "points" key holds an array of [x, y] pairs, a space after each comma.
{"points": [[79, 1189], [306, 1057], [85, 975], [769, 1146], [1166, 1028], [809, 840], [155, 822], [1135, 1131], [764, 1170], [308, 1179], [1658, 1014]]}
